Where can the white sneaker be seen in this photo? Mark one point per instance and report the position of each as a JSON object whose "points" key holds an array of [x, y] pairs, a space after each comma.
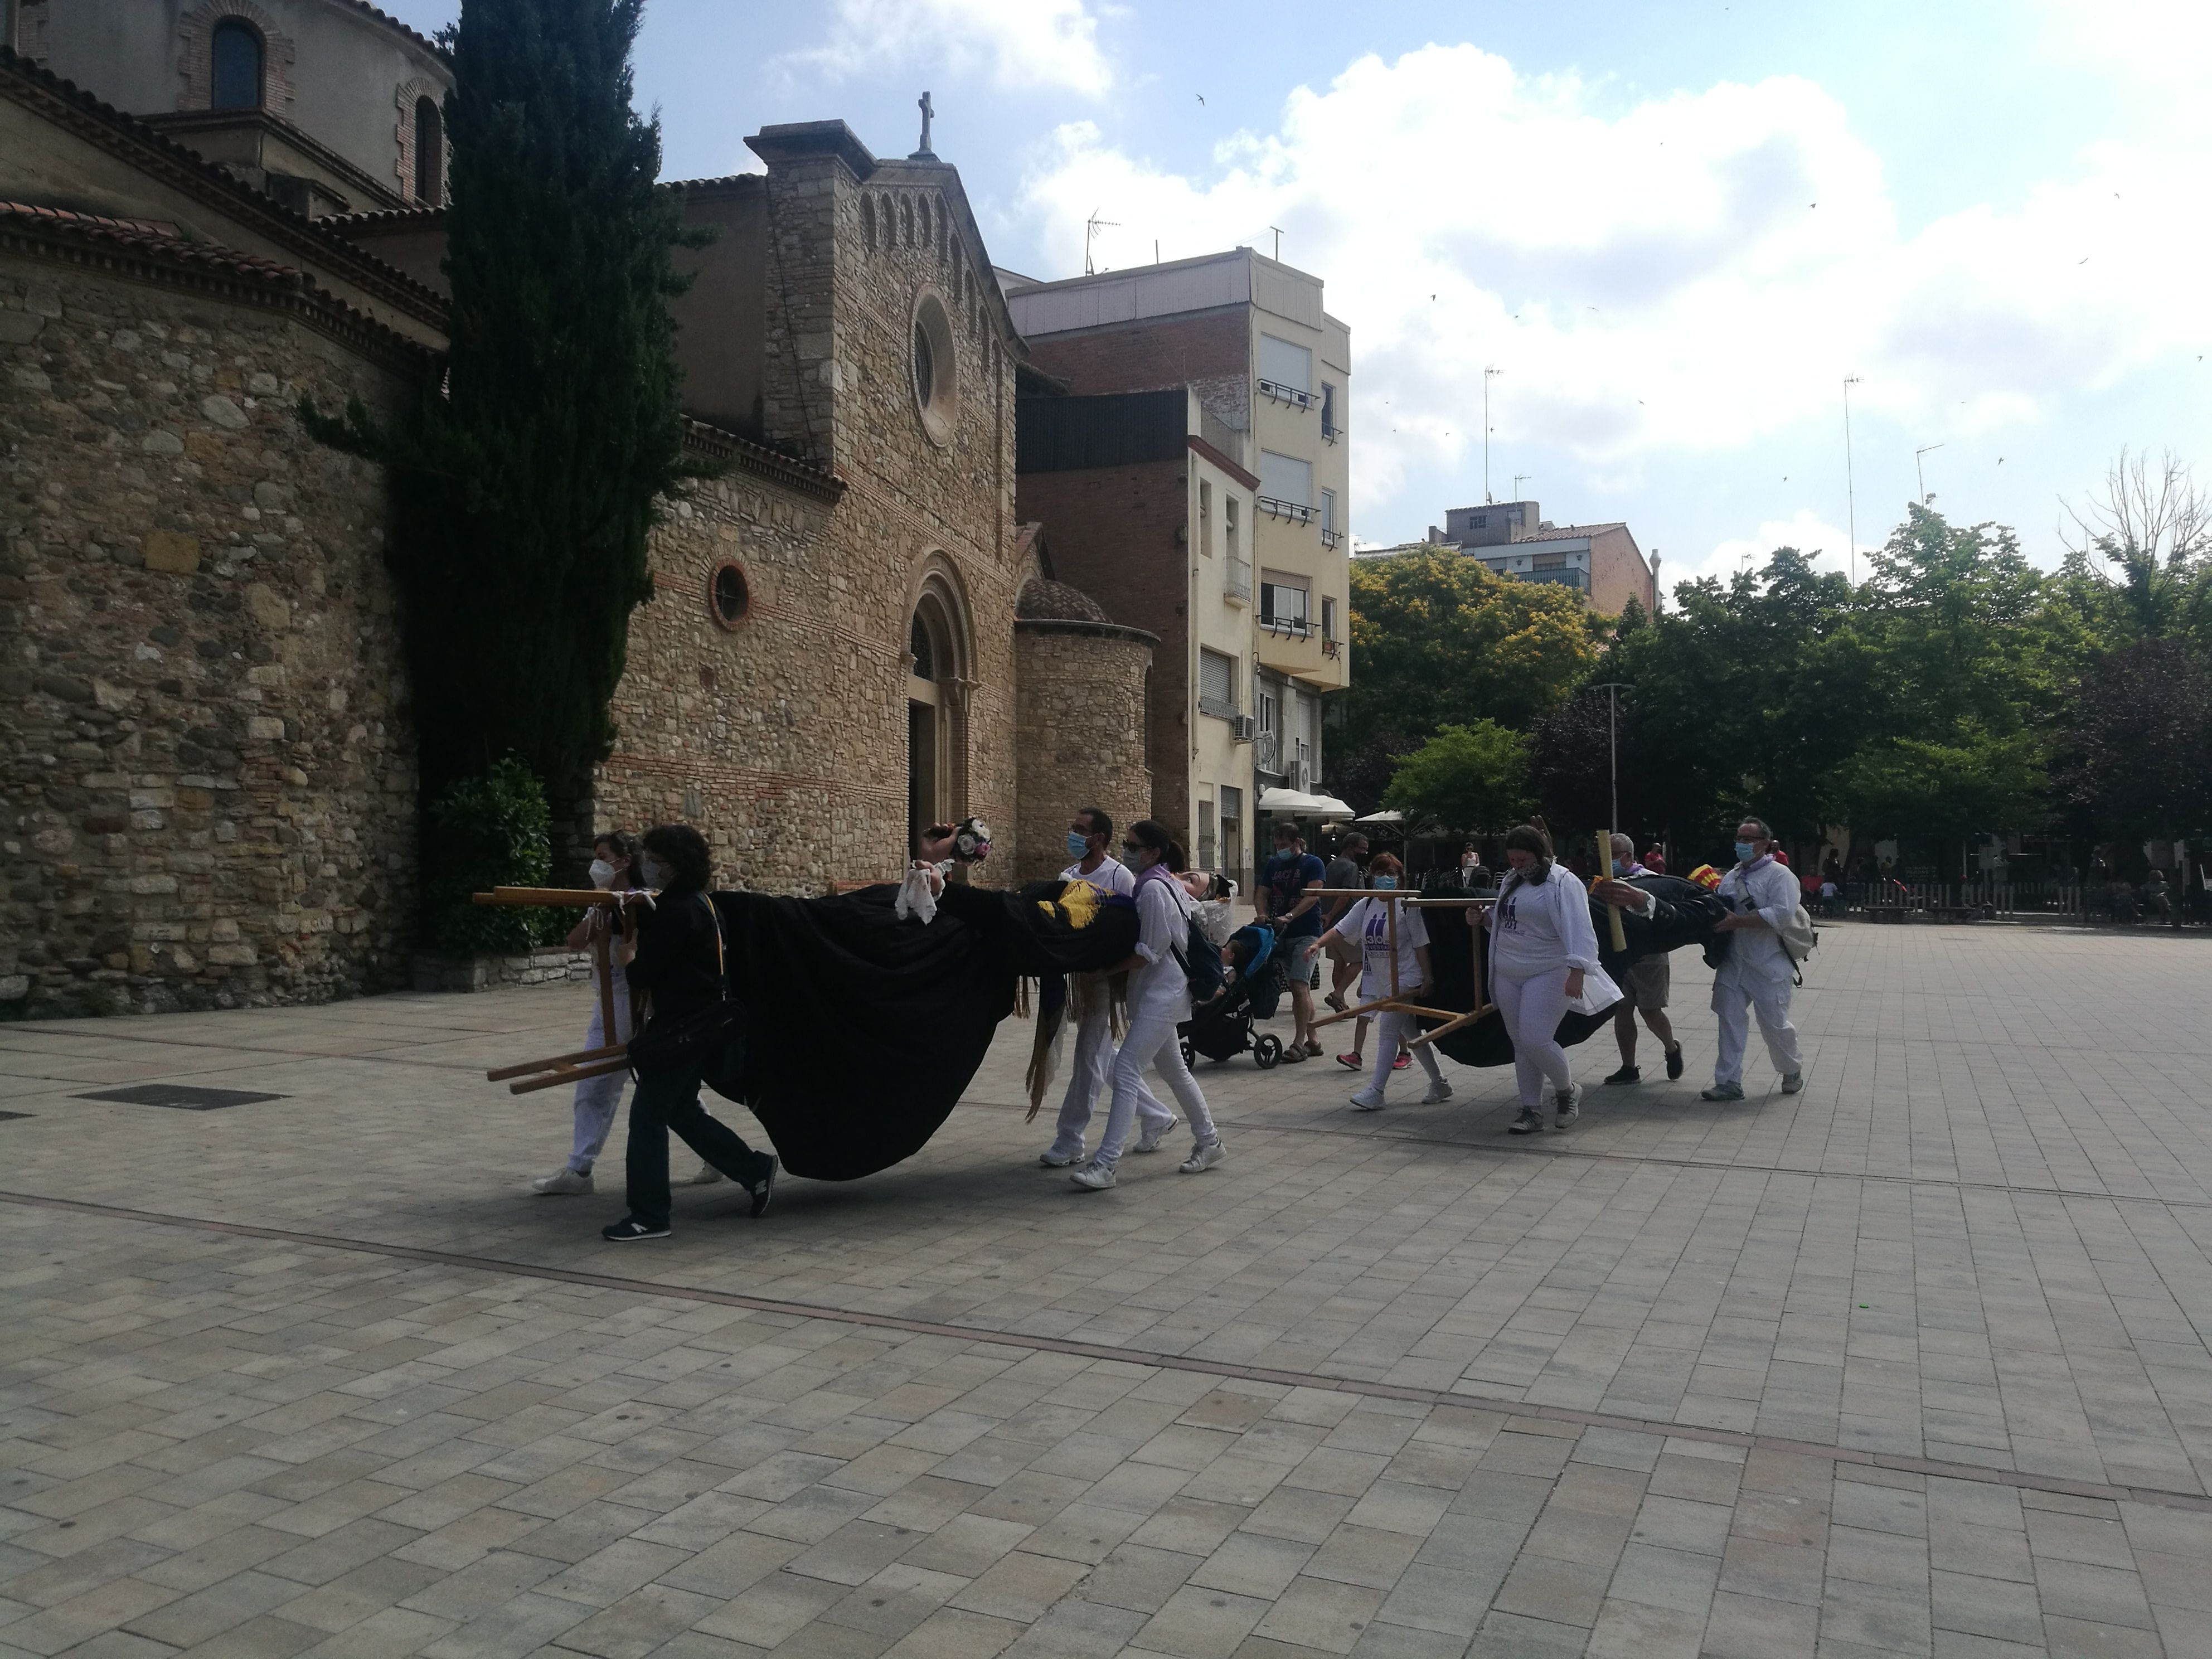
{"points": [[1093, 1178], [1792, 1082], [1204, 1158], [1050, 1159], [1153, 1134], [563, 1185], [706, 1176], [1570, 1107], [1367, 1100], [1438, 1093]]}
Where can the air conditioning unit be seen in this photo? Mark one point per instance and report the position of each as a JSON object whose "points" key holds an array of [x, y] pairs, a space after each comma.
{"points": [[1244, 728], [1302, 777]]}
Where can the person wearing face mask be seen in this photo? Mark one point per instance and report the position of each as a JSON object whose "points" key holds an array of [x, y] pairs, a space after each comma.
{"points": [[1645, 980], [1368, 921], [614, 858], [1754, 978], [1090, 998], [679, 963], [1158, 1001], [1541, 943]]}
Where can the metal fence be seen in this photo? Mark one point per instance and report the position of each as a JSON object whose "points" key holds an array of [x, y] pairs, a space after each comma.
{"points": [[1992, 901]]}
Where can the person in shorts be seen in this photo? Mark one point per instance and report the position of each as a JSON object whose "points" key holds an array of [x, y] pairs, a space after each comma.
{"points": [[1643, 988], [1289, 899]]}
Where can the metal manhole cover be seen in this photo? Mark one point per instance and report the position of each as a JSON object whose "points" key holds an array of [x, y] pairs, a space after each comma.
{"points": [[183, 1098]]}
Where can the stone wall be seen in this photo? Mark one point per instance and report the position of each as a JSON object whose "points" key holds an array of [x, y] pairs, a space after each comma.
{"points": [[1080, 731], [207, 780]]}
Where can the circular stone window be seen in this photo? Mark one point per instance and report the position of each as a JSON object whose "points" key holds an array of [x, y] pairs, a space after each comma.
{"points": [[727, 596], [936, 381]]}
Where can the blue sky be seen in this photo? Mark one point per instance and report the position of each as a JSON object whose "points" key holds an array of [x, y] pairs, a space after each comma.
{"points": [[1674, 229]]}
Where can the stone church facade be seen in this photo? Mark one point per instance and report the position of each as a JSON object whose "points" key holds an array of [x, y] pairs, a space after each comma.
{"points": [[207, 780]]}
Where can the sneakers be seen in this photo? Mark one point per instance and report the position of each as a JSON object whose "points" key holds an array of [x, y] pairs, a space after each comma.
{"points": [[1149, 1141], [1093, 1178], [1438, 1093], [1721, 1091], [1353, 1062], [566, 1184], [1792, 1082], [1049, 1159], [1674, 1062], [1570, 1106], [706, 1175], [1367, 1100], [1204, 1156], [630, 1229], [1531, 1122], [764, 1188], [1401, 1063], [1628, 1074]]}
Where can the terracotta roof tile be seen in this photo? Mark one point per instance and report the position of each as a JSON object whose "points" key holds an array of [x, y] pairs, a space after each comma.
{"points": [[152, 234]]}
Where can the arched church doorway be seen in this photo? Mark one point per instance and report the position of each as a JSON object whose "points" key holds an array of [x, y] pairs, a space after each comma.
{"points": [[936, 709]]}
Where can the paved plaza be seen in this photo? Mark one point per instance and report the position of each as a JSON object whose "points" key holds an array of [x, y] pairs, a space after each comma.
{"points": [[1913, 1362]]}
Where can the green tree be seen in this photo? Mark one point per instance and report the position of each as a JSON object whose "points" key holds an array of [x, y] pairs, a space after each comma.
{"points": [[1975, 784], [1437, 640], [524, 487], [1467, 779]]}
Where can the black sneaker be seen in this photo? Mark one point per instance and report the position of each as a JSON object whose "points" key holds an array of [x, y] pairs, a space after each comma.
{"points": [[1674, 1062], [763, 1189], [630, 1229], [1628, 1074]]}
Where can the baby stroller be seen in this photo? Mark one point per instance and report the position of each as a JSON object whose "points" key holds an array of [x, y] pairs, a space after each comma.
{"points": [[1222, 1028]]}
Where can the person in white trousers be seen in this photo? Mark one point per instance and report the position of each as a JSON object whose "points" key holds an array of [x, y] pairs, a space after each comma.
{"points": [[1090, 834], [1541, 943], [1158, 1000], [1762, 896], [614, 855], [1367, 925]]}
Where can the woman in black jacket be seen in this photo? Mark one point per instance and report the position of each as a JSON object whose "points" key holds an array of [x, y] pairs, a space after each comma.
{"points": [[679, 963]]}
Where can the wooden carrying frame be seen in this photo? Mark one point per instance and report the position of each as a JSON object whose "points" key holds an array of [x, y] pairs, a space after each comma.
{"points": [[1396, 1003], [552, 1072]]}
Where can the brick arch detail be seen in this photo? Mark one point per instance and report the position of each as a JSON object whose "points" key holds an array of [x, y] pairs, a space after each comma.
{"points": [[195, 42], [403, 99]]}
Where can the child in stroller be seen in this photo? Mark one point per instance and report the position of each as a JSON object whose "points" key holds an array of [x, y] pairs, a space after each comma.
{"points": [[1222, 1028]]}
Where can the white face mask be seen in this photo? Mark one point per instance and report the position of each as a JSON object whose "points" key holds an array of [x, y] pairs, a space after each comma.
{"points": [[603, 873], [650, 872]]}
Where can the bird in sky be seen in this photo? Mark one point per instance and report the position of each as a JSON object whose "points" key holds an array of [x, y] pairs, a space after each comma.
{"points": [[1201, 97]]}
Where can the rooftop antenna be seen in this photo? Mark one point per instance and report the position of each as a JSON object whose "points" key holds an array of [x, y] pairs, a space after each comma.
{"points": [[1156, 250], [1488, 375], [1278, 229], [1091, 227], [1918, 474], [1516, 483], [1850, 494]]}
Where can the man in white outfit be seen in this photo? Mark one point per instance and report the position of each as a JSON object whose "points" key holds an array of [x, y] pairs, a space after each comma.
{"points": [[1089, 833], [1762, 898]]}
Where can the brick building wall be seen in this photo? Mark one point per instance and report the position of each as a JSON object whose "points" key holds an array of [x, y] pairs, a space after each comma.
{"points": [[1619, 572], [1117, 534], [207, 779], [1080, 732], [1209, 351]]}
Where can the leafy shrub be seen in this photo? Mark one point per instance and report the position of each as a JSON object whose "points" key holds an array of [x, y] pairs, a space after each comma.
{"points": [[487, 832]]}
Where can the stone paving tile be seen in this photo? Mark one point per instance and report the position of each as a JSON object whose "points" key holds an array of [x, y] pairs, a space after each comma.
{"points": [[1978, 1236]]}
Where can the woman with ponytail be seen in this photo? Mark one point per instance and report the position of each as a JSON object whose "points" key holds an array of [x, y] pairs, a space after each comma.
{"points": [[1541, 943], [1158, 1001]]}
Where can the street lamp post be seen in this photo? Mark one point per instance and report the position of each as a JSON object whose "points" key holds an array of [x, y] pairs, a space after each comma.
{"points": [[1613, 689], [1850, 493]]}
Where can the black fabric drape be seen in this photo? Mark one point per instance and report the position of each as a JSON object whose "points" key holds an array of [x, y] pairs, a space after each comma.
{"points": [[859, 1032]]}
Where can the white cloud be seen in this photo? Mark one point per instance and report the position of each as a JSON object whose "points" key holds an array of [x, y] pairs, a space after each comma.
{"points": [[1035, 43], [1692, 272], [1825, 544]]}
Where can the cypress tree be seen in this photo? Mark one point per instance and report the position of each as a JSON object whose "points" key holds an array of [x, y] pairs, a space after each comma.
{"points": [[523, 487]]}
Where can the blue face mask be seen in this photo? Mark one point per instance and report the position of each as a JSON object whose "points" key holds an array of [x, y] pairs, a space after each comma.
{"points": [[1619, 868], [1077, 845], [1384, 882], [1746, 851]]}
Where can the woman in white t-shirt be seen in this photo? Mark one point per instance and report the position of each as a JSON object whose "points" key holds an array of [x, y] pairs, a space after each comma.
{"points": [[1158, 999], [1541, 943], [1367, 924]]}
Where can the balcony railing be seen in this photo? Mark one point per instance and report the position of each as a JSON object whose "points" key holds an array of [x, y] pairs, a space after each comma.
{"points": [[1330, 432], [1331, 648], [1295, 513], [1237, 582], [1329, 537], [1220, 707], [1286, 394]]}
